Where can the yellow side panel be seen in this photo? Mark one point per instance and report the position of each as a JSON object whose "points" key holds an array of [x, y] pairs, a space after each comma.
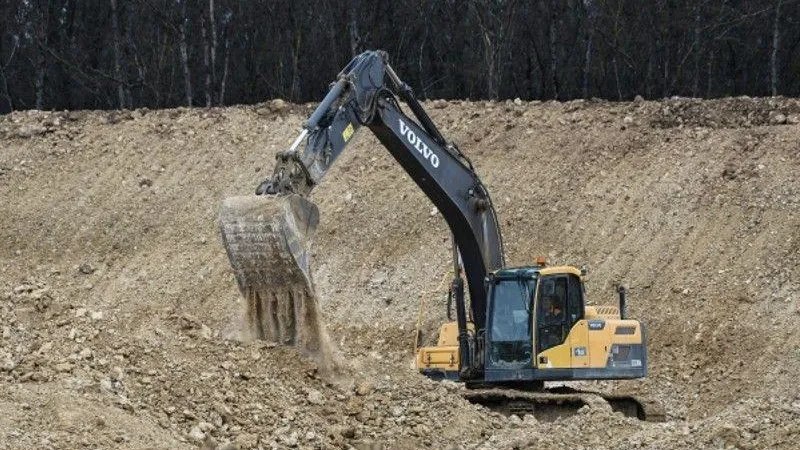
{"points": [[589, 348], [600, 341], [564, 356], [448, 333], [444, 355], [579, 344], [446, 358], [558, 357], [599, 346]]}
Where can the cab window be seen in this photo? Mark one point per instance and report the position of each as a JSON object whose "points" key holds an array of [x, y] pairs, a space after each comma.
{"points": [[574, 299], [510, 323]]}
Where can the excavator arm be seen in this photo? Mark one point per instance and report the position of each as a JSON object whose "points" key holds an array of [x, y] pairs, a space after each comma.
{"points": [[361, 97], [366, 94]]}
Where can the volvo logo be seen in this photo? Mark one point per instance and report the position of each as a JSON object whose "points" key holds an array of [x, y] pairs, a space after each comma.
{"points": [[417, 143]]}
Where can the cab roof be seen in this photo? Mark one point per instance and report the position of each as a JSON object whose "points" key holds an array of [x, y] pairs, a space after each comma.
{"points": [[531, 271], [560, 269]]}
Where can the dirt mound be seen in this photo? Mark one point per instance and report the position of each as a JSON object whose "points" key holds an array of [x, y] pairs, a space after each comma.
{"points": [[741, 112], [117, 303]]}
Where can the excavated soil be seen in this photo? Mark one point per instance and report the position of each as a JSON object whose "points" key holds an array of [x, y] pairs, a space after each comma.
{"points": [[120, 314]]}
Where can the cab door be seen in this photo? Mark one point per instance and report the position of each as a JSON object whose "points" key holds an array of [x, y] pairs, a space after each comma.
{"points": [[562, 334], [551, 312]]}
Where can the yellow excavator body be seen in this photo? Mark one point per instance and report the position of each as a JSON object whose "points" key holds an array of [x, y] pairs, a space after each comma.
{"points": [[444, 356], [598, 342]]}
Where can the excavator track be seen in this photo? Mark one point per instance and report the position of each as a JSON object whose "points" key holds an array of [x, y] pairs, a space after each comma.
{"points": [[551, 404], [267, 239]]}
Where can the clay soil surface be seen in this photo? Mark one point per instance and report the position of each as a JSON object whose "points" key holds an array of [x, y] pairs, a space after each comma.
{"points": [[119, 313]]}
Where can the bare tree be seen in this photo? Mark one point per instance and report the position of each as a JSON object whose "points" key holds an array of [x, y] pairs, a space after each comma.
{"points": [[710, 74], [776, 39], [352, 26], [696, 51], [117, 53], [223, 82], [425, 19], [206, 46], [187, 76], [494, 20], [589, 8], [3, 76], [226, 32], [42, 13], [553, 48], [212, 21], [296, 50], [616, 48]]}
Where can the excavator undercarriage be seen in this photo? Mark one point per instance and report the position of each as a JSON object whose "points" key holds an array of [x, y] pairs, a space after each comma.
{"points": [[551, 404]]}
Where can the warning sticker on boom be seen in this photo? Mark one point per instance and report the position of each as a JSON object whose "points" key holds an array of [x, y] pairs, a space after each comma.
{"points": [[348, 132]]}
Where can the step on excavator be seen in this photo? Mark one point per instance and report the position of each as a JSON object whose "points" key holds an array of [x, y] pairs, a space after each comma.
{"points": [[515, 328]]}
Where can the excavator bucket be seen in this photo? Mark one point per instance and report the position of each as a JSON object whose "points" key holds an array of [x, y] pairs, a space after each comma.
{"points": [[267, 239]]}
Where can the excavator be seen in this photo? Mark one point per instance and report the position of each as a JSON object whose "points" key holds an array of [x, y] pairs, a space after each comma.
{"points": [[515, 328]]}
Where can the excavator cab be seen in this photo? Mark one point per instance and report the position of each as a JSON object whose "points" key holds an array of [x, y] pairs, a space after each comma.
{"points": [[539, 328]]}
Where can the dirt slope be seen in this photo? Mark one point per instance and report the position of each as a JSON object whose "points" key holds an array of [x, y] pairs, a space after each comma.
{"points": [[116, 300]]}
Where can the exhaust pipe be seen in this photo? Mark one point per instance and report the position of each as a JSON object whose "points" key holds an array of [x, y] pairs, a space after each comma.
{"points": [[623, 292]]}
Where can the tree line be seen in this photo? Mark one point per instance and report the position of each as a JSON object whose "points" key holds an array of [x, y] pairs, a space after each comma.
{"points": [[103, 54]]}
